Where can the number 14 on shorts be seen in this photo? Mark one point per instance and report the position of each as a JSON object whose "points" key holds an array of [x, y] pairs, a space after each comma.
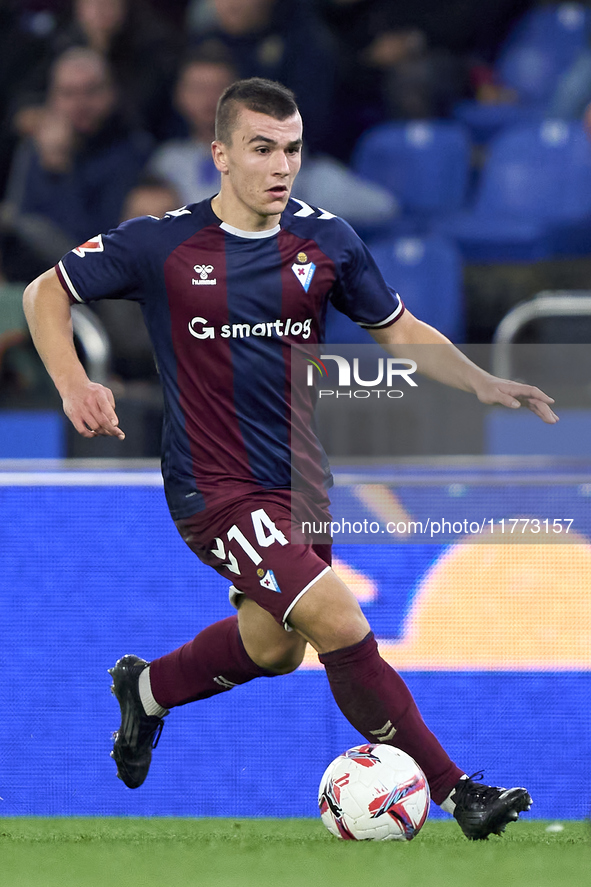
{"points": [[266, 533]]}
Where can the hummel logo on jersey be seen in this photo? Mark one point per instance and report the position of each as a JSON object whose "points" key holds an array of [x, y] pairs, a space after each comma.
{"points": [[304, 274], [94, 245], [203, 271]]}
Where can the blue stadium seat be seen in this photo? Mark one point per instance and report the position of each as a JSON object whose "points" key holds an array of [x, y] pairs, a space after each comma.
{"points": [[544, 44], [535, 184], [541, 47], [426, 164], [427, 272], [548, 23], [484, 121]]}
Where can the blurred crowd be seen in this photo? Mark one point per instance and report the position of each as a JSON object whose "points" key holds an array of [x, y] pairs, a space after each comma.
{"points": [[108, 106], [100, 96]]}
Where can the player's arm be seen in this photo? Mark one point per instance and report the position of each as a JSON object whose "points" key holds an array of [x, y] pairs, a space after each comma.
{"points": [[448, 365], [89, 406]]}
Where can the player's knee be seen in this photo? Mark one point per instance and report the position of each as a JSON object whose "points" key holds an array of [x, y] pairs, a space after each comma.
{"points": [[283, 658], [343, 631], [329, 617]]}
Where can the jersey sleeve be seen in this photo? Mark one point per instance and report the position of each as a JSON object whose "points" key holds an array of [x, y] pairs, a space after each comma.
{"points": [[109, 265], [361, 292]]}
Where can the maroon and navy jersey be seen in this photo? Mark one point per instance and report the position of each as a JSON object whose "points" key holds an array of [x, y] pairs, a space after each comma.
{"points": [[224, 308]]}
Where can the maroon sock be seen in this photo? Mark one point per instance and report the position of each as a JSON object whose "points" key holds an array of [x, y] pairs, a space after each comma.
{"points": [[212, 662], [377, 702]]}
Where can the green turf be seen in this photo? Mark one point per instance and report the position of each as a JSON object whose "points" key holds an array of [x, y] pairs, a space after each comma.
{"points": [[281, 853]]}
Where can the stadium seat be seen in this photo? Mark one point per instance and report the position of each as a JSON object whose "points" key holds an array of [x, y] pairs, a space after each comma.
{"points": [[427, 272], [484, 121], [547, 23], [426, 164], [542, 45], [535, 186]]}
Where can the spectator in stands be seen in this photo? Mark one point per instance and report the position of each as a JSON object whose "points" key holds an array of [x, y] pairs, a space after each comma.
{"points": [[280, 40], [150, 197], [173, 10], [21, 47], [187, 164], [410, 60], [141, 51], [132, 359], [69, 179], [387, 68]]}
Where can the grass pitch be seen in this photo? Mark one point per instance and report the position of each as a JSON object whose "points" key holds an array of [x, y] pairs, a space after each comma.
{"points": [[282, 853]]}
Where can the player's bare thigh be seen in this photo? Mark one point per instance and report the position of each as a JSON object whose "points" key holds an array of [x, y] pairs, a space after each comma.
{"points": [[328, 616]]}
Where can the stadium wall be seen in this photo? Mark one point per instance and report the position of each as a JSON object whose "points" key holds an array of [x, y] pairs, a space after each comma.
{"points": [[494, 640]]}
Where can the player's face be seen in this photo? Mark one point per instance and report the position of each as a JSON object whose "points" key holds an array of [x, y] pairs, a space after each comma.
{"points": [[258, 169]]}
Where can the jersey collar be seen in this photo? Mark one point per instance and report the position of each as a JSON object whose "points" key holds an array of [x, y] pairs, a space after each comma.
{"points": [[250, 235]]}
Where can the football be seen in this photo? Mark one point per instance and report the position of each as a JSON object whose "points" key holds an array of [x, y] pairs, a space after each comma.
{"points": [[374, 793]]}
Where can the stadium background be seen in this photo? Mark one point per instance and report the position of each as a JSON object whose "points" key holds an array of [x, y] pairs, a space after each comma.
{"points": [[492, 639]]}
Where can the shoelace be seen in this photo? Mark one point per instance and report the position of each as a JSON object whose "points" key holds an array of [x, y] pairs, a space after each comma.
{"points": [[476, 789]]}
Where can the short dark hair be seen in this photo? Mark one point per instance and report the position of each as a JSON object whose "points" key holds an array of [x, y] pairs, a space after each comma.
{"points": [[256, 94]]}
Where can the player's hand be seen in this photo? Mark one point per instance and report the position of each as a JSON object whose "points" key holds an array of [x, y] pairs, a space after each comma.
{"points": [[493, 390], [91, 410]]}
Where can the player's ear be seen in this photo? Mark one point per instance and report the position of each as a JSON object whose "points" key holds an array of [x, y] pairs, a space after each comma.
{"points": [[218, 152]]}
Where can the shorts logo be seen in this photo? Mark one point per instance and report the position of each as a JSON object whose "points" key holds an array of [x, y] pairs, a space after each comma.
{"points": [[269, 582], [304, 273], [94, 245], [203, 271]]}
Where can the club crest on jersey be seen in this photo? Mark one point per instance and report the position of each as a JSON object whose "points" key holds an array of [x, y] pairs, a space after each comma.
{"points": [[94, 245], [304, 273], [269, 582]]}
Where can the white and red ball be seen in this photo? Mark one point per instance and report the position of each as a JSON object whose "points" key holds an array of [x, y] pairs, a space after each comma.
{"points": [[374, 793]]}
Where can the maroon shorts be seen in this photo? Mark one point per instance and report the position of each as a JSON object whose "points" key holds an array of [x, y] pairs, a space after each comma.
{"points": [[248, 543]]}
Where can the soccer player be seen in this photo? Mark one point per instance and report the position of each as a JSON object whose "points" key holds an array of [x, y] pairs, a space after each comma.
{"points": [[224, 303]]}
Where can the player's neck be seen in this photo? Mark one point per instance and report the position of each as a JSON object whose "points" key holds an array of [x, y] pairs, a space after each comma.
{"points": [[241, 217]]}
